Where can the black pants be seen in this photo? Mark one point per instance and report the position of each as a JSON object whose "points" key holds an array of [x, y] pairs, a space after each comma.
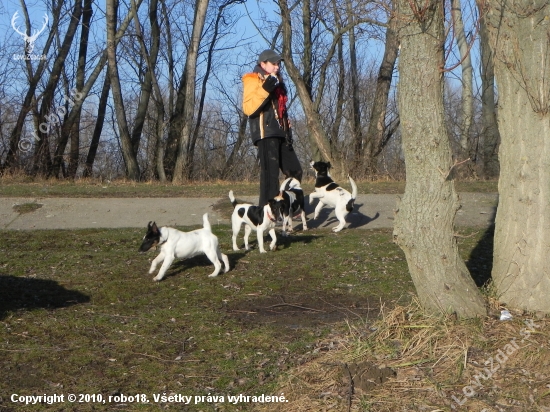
{"points": [[275, 155]]}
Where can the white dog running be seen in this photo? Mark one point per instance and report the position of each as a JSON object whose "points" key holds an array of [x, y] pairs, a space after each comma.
{"points": [[331, 194], [177, 244]]}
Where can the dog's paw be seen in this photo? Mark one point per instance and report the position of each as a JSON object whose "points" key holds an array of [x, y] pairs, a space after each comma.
{"points": [[263, 251], [337, 229], [157, 279], [213, 275], [273, 247]]}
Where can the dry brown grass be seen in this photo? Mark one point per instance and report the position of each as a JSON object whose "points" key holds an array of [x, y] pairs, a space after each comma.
{"points": [[434, 359]]}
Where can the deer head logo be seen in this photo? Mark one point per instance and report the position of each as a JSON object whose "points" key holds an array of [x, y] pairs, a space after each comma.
{"points": [[29, 40]]}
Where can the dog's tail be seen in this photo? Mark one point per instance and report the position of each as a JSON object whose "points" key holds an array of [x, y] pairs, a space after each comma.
{"points": [[232, 199], [349, 206], [206, 222]]}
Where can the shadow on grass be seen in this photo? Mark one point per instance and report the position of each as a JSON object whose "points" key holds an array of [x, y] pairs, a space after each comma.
{"points": [[18, 293], [480, 261], [354, 219]]}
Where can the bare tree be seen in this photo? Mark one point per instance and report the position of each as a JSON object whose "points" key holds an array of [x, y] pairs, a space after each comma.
{"points": [[467, 106], [33, 79], [201, 7], [489, 137], [101, 110], [380, 130], [128, 153], [519, 36], [424, 225], [209, 58], [42, 162]]}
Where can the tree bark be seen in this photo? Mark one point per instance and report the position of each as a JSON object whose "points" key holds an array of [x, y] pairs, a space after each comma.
{"points": [[377, 131], [201, 8], [101, 110], [42, 160], [467, 98], [519, 36], [489, 136], [424, 225], [130, 157], [357, 134]]}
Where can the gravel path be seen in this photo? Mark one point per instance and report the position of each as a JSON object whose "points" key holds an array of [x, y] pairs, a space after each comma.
{"points": [[371, 212]]}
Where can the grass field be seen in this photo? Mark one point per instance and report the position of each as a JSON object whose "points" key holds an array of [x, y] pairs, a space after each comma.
{"points": [[24, 187], [80, 315]]}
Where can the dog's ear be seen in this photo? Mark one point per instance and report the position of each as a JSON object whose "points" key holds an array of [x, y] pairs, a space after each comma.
{"points": [[329, 165], [154, 228]]}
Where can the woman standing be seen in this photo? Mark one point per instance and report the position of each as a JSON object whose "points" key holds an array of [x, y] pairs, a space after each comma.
{"points": [[264, 102]]}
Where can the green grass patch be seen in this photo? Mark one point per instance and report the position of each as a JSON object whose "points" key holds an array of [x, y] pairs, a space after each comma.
{"points": [[125, 189], [80, 314]]}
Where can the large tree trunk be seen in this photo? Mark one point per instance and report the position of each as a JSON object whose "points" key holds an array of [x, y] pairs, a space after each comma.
{"points": [[201, 8], [130, 157], [424, 221], [489, 136], [520, 40]]}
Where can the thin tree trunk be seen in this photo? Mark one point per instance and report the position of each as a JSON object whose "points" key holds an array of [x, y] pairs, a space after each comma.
{"points": [[194, 137], [42, 161], [519, 36], [490, 137], [28, 101], [356, 131], [376, 132], [424, 225], [317, 134], [101, 110], [201, 8], [74, 133], [467, 97], [74, 113], [130, 157]]}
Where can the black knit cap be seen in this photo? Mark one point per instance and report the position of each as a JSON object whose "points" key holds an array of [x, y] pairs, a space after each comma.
{"points": [[269, 56]]}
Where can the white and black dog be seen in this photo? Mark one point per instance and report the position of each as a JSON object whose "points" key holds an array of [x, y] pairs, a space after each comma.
{"points": [[331, 194], [254, 217], [289, 202], [177, 244]]}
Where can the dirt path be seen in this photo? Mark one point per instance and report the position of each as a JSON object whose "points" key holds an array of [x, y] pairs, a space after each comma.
{"points": [[371, 212]]}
